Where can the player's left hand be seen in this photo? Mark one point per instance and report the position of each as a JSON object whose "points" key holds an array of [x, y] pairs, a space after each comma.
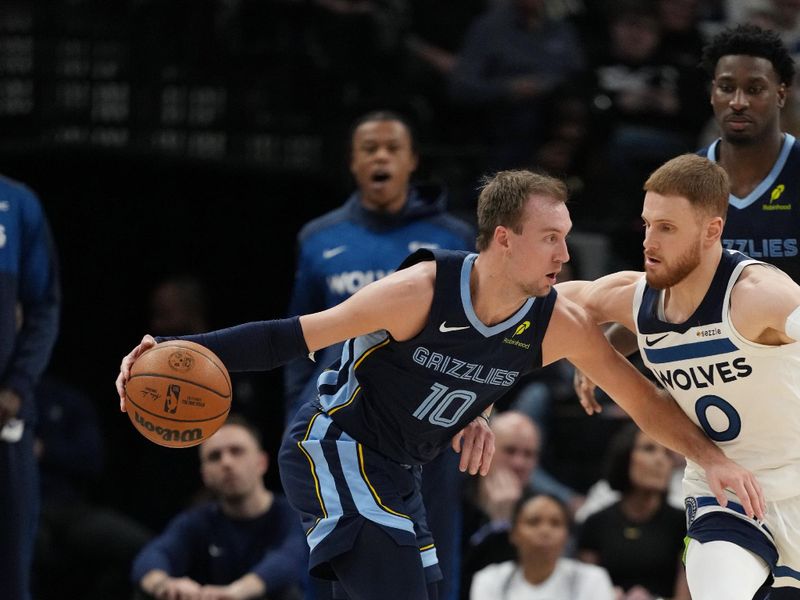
{"points": [[585, 389], [728, 474], [476, 444]]}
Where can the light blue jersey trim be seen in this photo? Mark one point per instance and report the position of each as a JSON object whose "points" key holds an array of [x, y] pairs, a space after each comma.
{"points": [[767, 182], [429, 558], [466, 302], [364, 501], [361, 346], [687, 351], [327, 485]]}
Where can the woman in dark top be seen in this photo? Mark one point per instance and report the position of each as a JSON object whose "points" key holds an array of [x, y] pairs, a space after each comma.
{"points": [[639, 539]]}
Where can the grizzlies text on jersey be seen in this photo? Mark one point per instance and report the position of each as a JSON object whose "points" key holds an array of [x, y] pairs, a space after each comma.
{"points": [[766, 223], [433, 385]]}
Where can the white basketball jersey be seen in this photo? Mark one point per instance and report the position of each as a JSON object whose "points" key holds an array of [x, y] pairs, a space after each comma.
{"points": [[745, 396]]}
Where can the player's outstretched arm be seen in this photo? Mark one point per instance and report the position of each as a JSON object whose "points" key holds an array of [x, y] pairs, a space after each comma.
{"points": [[608, 299], [398, 303], [654, 411]]}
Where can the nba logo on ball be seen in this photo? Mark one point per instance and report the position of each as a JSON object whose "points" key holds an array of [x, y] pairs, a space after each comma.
{"points": [[171, 401], [185, 374]]}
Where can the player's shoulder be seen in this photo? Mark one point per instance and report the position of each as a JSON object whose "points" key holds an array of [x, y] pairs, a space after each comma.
{"points": [[11, 189], [323, 223], [757, 283]]}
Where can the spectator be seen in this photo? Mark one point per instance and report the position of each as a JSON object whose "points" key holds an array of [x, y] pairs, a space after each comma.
{"points": [[513, 60], [29, 307], [365, 239], [243, 544], [639, 539], [75, 530], [490, 501], [540, 531], [651, 108]]}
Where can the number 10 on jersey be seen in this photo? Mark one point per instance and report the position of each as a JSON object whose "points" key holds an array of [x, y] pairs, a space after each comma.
{"points": [[436, 408]]}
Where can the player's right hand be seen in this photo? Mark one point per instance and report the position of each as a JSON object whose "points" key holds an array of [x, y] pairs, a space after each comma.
{"points": [[148, 341], [585, 389]]}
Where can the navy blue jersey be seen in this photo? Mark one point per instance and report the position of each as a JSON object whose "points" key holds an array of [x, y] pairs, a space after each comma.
{"points": [[407, 399], [344, 250], [766, 223]]}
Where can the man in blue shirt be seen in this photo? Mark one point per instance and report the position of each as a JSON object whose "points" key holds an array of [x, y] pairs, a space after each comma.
{"points": [[29, 302], [244, 544]]}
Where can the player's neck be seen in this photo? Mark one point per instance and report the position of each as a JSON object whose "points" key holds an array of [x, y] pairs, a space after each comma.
{"points": [[249, 506], [494, 296], [748, 165], [639, 506], [682, 299]]}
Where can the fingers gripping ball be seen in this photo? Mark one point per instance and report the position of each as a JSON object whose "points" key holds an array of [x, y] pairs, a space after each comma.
{"points": [[178, 394]]}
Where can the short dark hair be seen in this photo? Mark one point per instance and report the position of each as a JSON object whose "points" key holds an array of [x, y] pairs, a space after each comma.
{"points": [[750, 40], [383, 115], [241, 421], [530, 495]]}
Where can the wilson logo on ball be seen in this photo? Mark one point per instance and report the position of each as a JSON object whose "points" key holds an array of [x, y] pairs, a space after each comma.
{"points": [[169, 435], [181, 361]]}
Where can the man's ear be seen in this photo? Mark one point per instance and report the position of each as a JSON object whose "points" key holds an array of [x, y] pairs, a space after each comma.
{"points": [[501, 236]]}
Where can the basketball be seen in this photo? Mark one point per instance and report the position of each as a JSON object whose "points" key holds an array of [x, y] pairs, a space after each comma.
{"points": [[178, 394]]}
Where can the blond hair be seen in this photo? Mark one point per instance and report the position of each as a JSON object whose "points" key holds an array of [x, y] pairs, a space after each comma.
{"points": [[702, 182], [503, 197]]}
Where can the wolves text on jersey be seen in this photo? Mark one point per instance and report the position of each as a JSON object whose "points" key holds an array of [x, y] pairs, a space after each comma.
{"points": [[703, 376]]}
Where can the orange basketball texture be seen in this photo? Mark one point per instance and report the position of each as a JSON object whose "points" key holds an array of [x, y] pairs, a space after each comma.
{"points": [[178, 394]]}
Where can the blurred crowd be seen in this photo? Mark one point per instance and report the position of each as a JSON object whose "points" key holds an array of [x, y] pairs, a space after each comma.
{"points": [[597, 93]]}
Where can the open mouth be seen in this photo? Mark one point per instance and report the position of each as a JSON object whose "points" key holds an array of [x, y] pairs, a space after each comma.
{"points": [[380, 176], [650, 261]]}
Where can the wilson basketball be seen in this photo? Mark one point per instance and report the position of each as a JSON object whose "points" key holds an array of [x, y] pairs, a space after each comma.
{"points": [[178, 394]]}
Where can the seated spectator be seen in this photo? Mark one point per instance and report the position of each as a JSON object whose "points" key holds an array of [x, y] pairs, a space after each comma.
{"points": [[512, 62], [650, 106], [540, 531], [245, 543], [639, 539], [75, 527], [489, 501]]}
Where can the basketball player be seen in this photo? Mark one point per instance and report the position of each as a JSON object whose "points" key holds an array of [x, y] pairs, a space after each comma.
{"points": [[429, 349], [751, 71], [718, 331]]}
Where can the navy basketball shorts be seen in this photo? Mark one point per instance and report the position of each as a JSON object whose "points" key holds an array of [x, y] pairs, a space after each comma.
{"points": [[336, 483]]}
